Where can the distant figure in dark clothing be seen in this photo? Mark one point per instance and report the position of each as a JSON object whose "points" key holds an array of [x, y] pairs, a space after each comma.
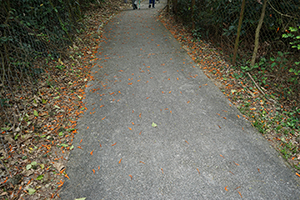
{"points": [[153, 3], [134, 4]]}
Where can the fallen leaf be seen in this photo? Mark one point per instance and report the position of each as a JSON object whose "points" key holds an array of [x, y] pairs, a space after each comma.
{"points": [[103, 118], [236, 163], [154, 125], [258, 170], [221, 156], [130, 176], [83, 198], [93, 171], [129, 128], [140, 133], [120, 160], [198, 170], [226, 188], [114, 144], [31, 191], [92, 152], [187, 142], [240, 194], [79, 147], [188, 101], [297, 174], [162, 170], [142, 162], [140, 114], [80, 141]]}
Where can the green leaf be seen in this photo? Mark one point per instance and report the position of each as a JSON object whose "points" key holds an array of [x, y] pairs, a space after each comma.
{"points": [[31, 191], [72, 147], [56, 97], [280, 53], [33, 163], [16, 137], [42, 166], [61, 134], [5, 128], [40, 177], [83, 198], [154, 125], [28, 167], [64, 145], [35, 113]]}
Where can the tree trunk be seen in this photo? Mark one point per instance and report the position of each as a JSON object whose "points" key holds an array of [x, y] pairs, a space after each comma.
{"points": [[261, 20], [236, 45]]}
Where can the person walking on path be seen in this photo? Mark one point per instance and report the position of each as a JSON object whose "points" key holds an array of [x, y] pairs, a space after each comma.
{"points": [[134, 4], [153, 3]]}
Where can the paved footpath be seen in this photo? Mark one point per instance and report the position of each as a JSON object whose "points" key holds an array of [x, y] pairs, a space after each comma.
{"points": [[151, 131]]}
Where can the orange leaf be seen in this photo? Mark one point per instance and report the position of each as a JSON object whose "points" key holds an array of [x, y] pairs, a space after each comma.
{"points": [[120, 160], [114, 144], [198, 170], [100, 145], [162, 170], [226, 188], [140, 114], [87, 127], [132, 123], [186, 142], [140, 133], [66, 175], [236, 163], [130, 176], [238, 116], [129, 83], [93, 171], [240, 194], [298, 174], [188, 101], [80, 141], [142, 162], [221, 156], [92, 152], [79, 147], [98, 168], [103, 118], [258, 170], [219, 126], [129, 128], [170, 92]]}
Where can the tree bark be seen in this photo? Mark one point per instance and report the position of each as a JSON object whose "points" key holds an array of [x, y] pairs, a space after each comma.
{"points": [[236, 45], [261, 20]]}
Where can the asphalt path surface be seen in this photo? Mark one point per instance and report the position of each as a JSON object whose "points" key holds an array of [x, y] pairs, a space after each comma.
{"points": [[157, 128]]}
